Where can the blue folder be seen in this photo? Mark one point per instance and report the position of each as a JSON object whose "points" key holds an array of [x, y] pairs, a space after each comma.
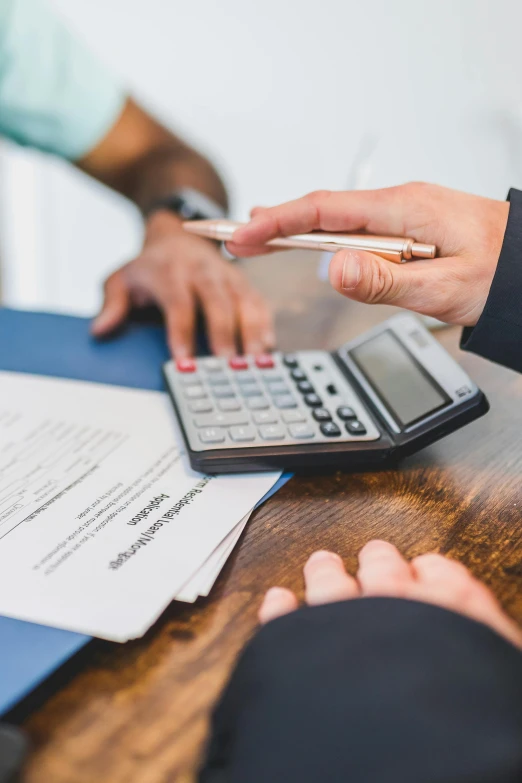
{"points": [[58, 345]]}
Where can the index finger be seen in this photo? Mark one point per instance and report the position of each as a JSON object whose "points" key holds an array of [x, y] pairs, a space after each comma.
{"points": [[180, 314], [375, 211], [326, 580], [383, 570]]}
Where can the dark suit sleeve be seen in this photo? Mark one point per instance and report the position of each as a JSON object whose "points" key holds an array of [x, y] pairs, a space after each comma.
{"points": [[498, 333], [375, 690]]}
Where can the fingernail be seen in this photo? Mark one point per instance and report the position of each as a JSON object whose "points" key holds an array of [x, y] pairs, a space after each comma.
{"points": [[237, 236], [274, 592], [351, 271], [238, 233], [98, 324], [269, 339], [323, 555], [374, 543]]}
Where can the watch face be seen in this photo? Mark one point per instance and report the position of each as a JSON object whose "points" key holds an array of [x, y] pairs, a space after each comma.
{"points": [[185, 210], [194, 205]]}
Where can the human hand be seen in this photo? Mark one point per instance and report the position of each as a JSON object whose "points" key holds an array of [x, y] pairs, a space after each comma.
{"points": [[430, 578], [467, 230], [178, 272]]}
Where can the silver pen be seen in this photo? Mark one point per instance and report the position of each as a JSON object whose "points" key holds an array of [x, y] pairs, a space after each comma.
{"points": [[397, 249]]}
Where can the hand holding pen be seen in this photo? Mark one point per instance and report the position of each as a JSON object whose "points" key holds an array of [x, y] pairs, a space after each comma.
{"points": [[467, 230]]}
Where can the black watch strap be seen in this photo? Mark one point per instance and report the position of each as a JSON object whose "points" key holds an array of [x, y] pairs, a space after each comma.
{"points": [[189, 204]]}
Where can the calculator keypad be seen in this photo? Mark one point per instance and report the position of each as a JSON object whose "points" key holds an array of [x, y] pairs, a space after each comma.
{"points": [[267, 400]]}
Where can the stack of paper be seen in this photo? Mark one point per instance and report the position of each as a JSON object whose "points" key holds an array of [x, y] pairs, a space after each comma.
{"points": [[102, 521]]}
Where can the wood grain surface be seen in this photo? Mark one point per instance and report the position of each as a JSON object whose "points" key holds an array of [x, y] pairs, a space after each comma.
{"points": [[137, 713]]}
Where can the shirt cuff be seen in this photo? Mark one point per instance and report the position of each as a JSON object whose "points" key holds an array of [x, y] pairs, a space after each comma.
{"points": [[498, 333]]}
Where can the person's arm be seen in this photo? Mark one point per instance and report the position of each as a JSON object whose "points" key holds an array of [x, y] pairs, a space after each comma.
{"points": [[145, 161], [55, 95], [377, 688], [475, 281]]}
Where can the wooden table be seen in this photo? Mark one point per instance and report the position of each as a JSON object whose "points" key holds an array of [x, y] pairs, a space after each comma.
{"points": [[137, 713]]}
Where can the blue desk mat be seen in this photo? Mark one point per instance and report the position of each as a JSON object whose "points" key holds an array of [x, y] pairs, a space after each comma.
{"points": [[61, 346]]}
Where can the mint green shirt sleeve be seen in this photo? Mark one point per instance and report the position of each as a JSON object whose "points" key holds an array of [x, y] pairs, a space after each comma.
{"points": [[55, 95]]}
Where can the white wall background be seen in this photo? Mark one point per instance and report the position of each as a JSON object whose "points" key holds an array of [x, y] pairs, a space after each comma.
{"points": [[286, 96]]}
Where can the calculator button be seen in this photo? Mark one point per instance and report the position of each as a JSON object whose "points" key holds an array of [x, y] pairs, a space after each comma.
{"points": [[305, 387], [301, 431], [222, 392], [257, 403], [212, 435], [186, 365], [218, 379], [264, 361], [355, 428], [330, 429], [298, 375], [195, 392], [265, 417], [247, 433], [290, 360], [272, 377], [285, 401], [345, 413], [201, 406], [212, 364], [190, 380], [278, 388], [291, 417], [221, 419], [321, 414], [238, 363], [313, 400], [245, 378], [230, 404], [272, 432], [251, 390]]}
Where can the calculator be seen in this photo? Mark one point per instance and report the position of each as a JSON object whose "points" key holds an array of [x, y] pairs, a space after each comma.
{"points": [[380, 397]]}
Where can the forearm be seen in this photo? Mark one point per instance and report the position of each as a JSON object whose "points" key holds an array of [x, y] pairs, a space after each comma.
{"points": [[144, 161], [167, 169]]}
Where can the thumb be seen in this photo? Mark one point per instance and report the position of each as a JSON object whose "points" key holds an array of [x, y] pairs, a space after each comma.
{"points": [[421, 286], [116, 305]]}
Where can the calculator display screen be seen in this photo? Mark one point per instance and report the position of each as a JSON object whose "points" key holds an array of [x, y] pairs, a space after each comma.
{"points": [[400, 381]]}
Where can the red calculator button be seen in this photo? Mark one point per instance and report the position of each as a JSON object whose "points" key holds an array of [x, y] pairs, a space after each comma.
{"points": [[264, 361], [238, 363], [186, 365]]}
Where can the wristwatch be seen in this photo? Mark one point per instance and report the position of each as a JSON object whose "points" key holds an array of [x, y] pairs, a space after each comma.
{"points": [[189, 204]]}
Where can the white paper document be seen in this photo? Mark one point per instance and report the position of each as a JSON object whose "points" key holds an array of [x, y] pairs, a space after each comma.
{"points": [[201, 583], [102, 520]]}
